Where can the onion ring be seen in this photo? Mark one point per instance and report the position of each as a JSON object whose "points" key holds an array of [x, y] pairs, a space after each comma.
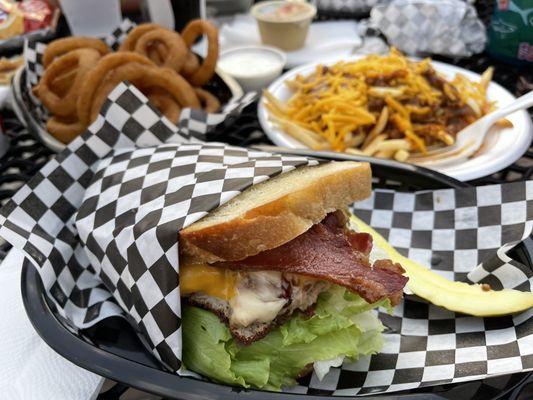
{"points": [[173, 83], [148, 77], [96, 76], [191, 65], [64, 106], [166, 104], [64, 130], [208, 100], [207, 69], [176, 50], [133, 36], [156, 53], [62, 46], [61, 84]]}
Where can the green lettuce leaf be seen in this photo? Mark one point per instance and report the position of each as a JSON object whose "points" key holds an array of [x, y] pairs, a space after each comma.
{"points": [[342, 325]]}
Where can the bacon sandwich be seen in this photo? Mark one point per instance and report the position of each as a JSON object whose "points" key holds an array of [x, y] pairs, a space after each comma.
{"points": [[279, 255]]}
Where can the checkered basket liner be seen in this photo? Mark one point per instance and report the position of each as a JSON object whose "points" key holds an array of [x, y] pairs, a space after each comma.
{"points": [[191, 122], [100, 223], [186, 178]]}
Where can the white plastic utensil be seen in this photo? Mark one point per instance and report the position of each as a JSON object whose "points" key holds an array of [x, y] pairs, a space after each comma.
{"points": [[469, 139]]}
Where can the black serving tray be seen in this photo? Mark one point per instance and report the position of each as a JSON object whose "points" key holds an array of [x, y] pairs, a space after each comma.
{"points": [[112, 348]]}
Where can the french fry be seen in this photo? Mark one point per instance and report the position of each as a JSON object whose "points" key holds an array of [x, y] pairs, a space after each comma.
{"points": [[276, 103], [302, 137], [273, 110], [504, 123], [379, 127], [417, 110], [355, 152], [486, 77], [450, 92], [393, 145], [384, 154], [360, 118], [373, 146], [384, 106], [352, 140], [404, 125], [396, 106], [474, 106], [379, 91], [401, 155], [307, 137], [445, 137]]}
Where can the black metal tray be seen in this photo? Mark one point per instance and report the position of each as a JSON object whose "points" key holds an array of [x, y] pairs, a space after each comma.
{"points": [[113, 350]]}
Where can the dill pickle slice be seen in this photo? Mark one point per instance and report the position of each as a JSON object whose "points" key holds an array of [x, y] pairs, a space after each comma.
{"points": [[461, 297]]}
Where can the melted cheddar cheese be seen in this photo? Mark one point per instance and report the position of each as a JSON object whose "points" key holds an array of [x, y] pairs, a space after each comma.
{"points": [[216, 282]]}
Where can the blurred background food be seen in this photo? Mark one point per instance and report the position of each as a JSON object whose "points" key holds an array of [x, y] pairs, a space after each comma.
{"points": [[338, 31], [383, 106]]}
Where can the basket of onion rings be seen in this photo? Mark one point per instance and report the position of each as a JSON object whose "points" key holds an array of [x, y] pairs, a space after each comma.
{"points": [[64, 84]]}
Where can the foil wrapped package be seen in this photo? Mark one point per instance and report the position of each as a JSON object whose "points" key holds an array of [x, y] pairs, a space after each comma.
{"points": [[346, 7], [445, 27]]}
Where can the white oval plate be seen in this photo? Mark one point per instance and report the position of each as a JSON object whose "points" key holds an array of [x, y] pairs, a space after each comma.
{"points": [[502, 146]]}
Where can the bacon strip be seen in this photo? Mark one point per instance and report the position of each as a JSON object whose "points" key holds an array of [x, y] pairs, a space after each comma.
{"points": [[331, 252]]}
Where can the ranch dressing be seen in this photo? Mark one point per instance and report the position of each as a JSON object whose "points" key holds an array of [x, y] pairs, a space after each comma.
{"points": [[249, 64]]}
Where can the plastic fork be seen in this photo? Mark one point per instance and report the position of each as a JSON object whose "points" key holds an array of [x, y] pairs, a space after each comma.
{"points": [[469, 139]]}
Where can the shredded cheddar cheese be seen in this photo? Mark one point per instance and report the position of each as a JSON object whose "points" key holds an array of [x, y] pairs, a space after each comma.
{"points": [[349, 105]]}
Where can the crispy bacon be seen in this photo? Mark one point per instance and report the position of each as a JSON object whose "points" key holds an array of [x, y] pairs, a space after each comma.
{"points": [[360, 241], [336, 223], [331, 252]]}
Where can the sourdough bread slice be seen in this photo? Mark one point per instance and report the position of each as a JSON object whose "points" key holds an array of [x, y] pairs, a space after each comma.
{"points": [[272, 213]]}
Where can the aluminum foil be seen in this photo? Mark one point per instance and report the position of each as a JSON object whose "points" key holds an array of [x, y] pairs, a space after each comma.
{"points": [[445, 27]]}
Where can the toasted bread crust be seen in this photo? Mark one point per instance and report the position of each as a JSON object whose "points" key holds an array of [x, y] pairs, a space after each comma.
{"points": [[275, 223]]}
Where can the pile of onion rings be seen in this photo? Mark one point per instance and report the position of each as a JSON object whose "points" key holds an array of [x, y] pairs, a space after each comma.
{"points": [[80, 72]]}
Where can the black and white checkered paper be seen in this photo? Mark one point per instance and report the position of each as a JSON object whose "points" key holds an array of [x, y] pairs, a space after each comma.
{"points": [[33, 67], [346, 6], [446, 27], [191, 122], [100, 223]]}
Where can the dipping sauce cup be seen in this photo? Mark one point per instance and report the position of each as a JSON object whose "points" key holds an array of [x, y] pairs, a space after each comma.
{"points": [[254, 67], [284, 24]]}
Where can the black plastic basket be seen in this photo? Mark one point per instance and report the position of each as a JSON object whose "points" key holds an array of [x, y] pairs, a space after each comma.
{"points": [[113, 350]]}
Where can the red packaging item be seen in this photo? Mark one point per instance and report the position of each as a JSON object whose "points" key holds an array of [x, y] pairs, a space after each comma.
{"points": [[37, 14], [17, 18]]}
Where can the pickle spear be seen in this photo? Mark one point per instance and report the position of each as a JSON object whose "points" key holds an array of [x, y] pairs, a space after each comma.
{"points": [[461, 297]]}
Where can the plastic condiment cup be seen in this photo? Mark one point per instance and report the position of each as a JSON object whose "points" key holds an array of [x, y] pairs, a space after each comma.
{"points": [[284, 24], [254, 67]]}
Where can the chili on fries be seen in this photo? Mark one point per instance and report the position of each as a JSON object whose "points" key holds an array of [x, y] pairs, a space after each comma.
{"points": [[383, 106]]}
